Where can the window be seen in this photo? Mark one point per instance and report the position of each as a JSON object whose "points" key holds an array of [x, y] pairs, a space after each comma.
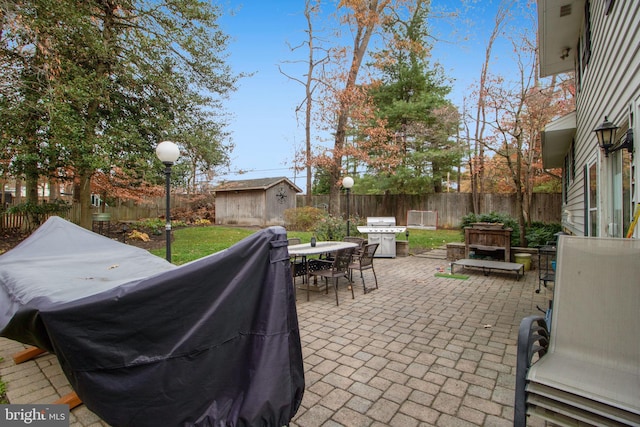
{"points": [[591, 200], [586, 35], [569, 171], [583, 50], [620, 189]]}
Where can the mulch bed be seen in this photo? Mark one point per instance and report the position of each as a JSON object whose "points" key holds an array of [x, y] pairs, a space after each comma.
{"points": [[9, 239]]}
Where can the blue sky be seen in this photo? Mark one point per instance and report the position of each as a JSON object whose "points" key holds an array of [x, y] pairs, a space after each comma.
{"points": [[263, 123]]}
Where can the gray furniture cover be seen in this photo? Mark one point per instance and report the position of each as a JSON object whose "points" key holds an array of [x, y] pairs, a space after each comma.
{"points": [[146, 343]]}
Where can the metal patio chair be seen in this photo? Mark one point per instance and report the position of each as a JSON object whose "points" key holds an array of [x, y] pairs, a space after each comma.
{"points": [[298, 265], [365, 262], [338, 268]]}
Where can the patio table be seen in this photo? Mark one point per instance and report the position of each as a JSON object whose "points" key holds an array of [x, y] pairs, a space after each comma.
{"points": [[303, 250]]}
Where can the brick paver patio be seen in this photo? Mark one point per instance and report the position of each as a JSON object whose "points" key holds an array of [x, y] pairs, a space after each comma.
{"points": [[420, 351]]}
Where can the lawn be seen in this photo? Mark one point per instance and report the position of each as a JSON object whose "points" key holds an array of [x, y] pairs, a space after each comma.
{"points": [[196, 242]]}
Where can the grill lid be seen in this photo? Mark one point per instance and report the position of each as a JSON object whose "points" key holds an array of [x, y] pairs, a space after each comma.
{"points": [[381, 221], [392, 230]]}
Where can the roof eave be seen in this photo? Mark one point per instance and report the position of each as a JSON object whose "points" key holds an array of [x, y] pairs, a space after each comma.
{"points": [[559, 24], [556, 140]]}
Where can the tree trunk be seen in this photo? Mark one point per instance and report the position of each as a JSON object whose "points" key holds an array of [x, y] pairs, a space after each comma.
{"points": [[54, 190], [366, 24], [84, 197], [18, 198], [336, 167], [32, 189], [437, 181]]}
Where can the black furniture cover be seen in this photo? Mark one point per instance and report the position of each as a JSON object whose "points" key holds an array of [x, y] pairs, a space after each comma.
{"points": [[144, 343]]}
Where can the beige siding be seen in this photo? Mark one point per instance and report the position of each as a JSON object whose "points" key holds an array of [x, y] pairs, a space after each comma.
{"points": [[610, 86]]}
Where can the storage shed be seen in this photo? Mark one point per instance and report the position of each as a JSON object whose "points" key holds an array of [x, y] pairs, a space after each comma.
{"points": [[255, 202]]}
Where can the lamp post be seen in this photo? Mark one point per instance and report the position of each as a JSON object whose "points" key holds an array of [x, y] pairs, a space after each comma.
{"points": [[347, 183], [168, 152]]}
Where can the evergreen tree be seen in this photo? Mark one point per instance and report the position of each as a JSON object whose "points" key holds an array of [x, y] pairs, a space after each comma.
{"points": [[411, 97]]}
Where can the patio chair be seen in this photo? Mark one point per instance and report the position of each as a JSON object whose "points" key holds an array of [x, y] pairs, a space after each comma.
{"points": [[359, 240], [365, 262], [299, 265], [583, 369], [328, 257], [338, 268]]}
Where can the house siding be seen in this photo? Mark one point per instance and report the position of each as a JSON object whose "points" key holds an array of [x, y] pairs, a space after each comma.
{"points": [[610, 86]]}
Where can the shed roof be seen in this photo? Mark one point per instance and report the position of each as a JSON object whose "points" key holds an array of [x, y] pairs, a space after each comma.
{"points": [[255, 184]]}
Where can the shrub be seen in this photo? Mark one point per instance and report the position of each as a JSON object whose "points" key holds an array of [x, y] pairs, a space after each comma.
{"points": [[156, 226], [330, 228], [303, 219], [37, 213], [539, 233], [493, 217]]}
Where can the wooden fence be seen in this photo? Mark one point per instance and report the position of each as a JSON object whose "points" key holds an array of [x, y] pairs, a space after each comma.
{"points": [[124, 211], [12, 221], [451, 207]]}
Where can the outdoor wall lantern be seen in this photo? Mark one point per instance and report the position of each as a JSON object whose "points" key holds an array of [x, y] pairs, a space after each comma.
{"points": [[168, 152], [606, 134], [347, 182]]}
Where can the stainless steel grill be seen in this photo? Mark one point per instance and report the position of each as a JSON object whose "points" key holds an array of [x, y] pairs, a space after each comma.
{"points": [[382, 230]]}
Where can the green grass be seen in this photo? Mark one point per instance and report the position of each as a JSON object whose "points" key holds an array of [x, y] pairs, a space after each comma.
{"points": [[452, 276], [422, 240], [192, 243]]}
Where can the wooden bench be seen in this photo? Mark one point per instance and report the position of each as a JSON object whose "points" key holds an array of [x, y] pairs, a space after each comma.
{"points": [[487, 266]]}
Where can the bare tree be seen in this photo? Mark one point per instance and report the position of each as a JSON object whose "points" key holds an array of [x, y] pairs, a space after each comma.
{"points": [[310, 82], [519, 113], [476, 157]]}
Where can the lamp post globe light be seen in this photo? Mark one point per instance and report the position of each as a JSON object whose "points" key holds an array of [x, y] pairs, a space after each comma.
{"points": [[168, 152], [347, 182]]}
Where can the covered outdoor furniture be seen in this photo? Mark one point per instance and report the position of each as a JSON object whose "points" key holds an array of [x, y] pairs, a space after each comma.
{"points": [[364, 262], [585, 370], [338, 268], [145, 343]]}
